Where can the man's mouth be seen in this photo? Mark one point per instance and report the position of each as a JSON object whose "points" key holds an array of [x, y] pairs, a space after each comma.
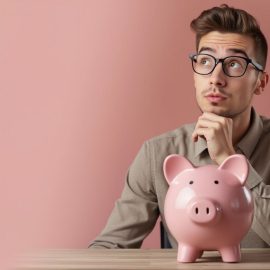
{"points": [[215, 97]]}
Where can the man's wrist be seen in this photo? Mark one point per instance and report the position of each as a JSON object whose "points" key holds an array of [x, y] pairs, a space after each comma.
{"points": [[219, 160]]}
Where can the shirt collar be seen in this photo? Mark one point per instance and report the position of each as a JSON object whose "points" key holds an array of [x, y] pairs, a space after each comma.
{"points": [[200, 146], [247, 144]]}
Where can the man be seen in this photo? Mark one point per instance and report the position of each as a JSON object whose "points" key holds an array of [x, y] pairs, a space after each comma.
{"points": [[228, 71]]}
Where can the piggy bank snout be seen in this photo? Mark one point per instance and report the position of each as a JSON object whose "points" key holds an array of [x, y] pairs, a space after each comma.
{"points": [[202, 211]]}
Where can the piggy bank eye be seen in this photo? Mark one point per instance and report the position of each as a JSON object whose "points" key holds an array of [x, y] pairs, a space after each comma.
{"points": [[191, 182], [216, 182]]}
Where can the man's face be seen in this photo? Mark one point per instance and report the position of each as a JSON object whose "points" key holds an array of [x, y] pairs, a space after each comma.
{"points": [[218, 93]]}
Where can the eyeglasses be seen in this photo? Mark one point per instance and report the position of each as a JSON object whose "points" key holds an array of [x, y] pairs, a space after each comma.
{"points": [[233, 66]]}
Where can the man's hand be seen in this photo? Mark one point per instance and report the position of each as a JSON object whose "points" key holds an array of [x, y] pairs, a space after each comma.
{"points": [[217, 131]]}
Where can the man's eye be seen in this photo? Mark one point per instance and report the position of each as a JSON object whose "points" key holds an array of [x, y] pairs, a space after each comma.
{"points": [[204, 62], [234, 64]]}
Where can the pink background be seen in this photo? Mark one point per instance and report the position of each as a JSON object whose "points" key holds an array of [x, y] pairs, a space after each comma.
{"points": [[83, 84]]}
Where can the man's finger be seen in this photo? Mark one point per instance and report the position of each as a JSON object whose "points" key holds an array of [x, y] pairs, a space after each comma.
{"points": [[205, 133]]}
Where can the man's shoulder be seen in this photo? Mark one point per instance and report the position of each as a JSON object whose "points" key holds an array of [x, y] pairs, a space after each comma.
{"points": [[266, 124], [181, 133]]}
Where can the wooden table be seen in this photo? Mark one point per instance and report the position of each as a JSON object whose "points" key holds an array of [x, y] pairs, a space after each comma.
{"points": [[128, 259]]}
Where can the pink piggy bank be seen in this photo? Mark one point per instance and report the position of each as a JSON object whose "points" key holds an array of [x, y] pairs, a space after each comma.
{"points": [[209, 207]]}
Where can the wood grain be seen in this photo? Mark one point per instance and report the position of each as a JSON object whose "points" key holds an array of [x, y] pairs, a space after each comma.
{"points": [[129, 259]]}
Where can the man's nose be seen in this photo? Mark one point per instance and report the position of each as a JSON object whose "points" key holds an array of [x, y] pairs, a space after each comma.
{"points": [[217, 77]]}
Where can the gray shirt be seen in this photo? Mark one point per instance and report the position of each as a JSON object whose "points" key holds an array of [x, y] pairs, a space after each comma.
{"points": [[142, 201]]}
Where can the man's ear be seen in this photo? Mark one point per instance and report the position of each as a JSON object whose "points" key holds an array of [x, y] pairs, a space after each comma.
{"points": [[262, 82]]}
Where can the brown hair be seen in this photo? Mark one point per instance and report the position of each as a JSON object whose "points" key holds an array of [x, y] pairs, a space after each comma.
{"points": [[231, 20]]}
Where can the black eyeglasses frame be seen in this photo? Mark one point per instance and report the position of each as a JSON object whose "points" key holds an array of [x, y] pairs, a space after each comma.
{"points": [[221, 60]]}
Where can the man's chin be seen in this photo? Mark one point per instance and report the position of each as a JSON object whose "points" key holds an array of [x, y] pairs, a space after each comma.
{"points": [[217, 110]]}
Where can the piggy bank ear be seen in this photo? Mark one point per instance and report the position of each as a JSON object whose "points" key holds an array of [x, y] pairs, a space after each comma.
{"points": [[237, 165], [173, 165]]}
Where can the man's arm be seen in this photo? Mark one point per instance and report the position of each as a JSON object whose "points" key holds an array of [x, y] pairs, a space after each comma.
{"points": [[135, 213]]}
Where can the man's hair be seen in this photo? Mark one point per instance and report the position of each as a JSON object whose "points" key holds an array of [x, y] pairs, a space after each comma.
{"points": [[227, 19]]}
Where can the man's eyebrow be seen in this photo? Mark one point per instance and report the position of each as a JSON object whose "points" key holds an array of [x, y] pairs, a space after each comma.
{"points": [[234, 50], [206, 49], [231, 50]]}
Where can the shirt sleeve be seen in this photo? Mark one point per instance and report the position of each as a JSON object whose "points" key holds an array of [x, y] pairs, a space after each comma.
{"points": [[135, 213], [261, 196]]}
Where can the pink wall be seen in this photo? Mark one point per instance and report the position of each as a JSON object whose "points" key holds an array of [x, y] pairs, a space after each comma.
{"points": [[83, 84]]}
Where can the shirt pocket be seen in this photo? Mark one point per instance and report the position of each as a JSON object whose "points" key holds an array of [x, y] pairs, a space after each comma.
{"points": [[264, 191]]}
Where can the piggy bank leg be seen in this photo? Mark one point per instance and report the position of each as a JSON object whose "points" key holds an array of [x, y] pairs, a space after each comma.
{"points": [[231, 254], [188, 253]]}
